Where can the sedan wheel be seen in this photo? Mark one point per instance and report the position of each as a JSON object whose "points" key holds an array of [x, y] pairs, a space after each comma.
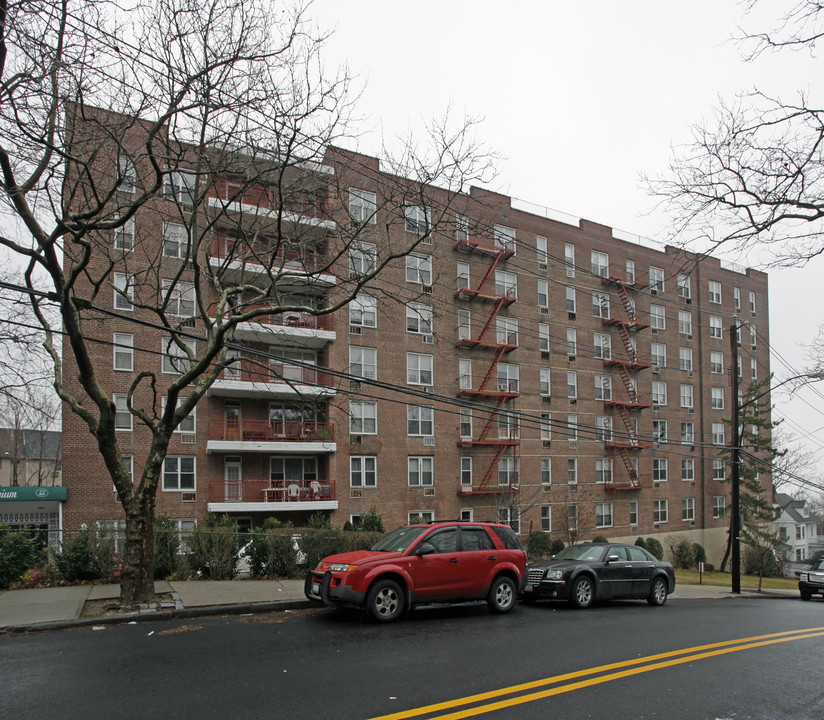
{"points": [[658, 592], [583, 592], [502, 595], [385, 601]]}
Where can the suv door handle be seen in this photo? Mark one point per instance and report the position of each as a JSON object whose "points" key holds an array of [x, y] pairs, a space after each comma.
{"points": [[492, 557], [453, 560]]}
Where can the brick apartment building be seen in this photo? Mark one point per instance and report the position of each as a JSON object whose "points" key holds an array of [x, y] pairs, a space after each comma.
{"points": [[541, 372]]}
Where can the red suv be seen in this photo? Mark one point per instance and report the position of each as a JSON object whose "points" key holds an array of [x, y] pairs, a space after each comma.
{"points": [[435, 563]]}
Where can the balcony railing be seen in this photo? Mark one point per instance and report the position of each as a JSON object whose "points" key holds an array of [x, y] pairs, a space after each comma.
{"points": [[271, 431], [255, 491], [260, 252], [266, 198], [277, 372]]}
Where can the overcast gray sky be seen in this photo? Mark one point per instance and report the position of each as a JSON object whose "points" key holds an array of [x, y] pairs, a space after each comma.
{"points": [[580, 99]]}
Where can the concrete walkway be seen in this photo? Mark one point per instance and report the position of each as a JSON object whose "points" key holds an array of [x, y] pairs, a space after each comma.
{"points": [[59, 607]]}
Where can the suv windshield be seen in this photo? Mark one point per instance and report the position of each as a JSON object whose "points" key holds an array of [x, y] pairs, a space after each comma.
{"points": [[581, 552], [400, 539]]}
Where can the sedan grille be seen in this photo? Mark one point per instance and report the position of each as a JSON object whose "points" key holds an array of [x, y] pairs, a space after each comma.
{"points": [[535, 576]]}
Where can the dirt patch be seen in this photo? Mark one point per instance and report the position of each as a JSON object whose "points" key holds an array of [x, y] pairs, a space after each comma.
{"points": [[181, 629], [103, 608]]}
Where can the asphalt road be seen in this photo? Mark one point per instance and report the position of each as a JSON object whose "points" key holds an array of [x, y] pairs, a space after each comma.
{"points": [[718, 659]]}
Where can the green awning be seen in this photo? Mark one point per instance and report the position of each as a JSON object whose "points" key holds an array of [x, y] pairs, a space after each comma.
{"points": [[37, 494]]}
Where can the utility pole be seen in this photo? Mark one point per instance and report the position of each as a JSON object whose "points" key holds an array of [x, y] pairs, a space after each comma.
{"points": [[735, 500]]}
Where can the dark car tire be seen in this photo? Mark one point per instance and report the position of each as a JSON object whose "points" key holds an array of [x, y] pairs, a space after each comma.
{"points": [[502, 595], [806, 596], [385, 601], [583, 592], [657, 592]]}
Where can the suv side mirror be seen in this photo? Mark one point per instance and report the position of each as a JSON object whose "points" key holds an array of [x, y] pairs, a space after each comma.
{"points": [[425, 549]]}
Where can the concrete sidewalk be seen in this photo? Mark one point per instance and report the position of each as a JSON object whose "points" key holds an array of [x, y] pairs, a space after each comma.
{"points": [[60, 607]]}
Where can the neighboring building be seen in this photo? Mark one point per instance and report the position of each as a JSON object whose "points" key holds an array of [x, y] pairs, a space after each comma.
{"points": [[795, 528], [587, 377]]}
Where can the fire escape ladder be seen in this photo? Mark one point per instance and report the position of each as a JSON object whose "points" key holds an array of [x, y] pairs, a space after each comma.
{"points": [[626, 302], [628, 426], [492, 419], [631, 391], [495, 310], [631, 472], [489, 272], [496, 358], [625, 339], [493, 467]]}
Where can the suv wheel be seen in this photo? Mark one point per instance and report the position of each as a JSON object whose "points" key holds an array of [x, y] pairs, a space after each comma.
{"points": [[806, 595], [658, 592], [583, 592], [502, 594], [385, 601]]}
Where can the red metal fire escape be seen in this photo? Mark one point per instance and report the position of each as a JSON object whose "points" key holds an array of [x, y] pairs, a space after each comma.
{"points": [[499, 396], [624, 442]]}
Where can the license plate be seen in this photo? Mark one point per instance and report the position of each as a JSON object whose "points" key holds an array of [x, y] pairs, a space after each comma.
{"points": [[316, 588], [529, 587]]}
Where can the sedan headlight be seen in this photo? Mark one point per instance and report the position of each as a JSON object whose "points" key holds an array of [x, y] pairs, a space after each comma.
{"points": [[554, 574], [342, 567]]}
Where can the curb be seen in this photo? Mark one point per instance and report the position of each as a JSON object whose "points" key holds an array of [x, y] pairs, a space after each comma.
{"points": [[138, 617]]}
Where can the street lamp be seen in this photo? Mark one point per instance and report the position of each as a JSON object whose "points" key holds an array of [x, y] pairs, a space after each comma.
{"points": [[735, 499]]}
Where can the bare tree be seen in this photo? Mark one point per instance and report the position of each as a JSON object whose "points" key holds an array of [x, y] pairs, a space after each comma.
{"points": [[215, 123], [753, 173]]}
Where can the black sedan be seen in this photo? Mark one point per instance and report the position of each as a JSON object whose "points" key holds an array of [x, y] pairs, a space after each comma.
{"points": [[581, 574]]}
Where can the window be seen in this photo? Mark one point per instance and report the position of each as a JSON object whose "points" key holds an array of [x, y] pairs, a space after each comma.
{"points": [[572, 427], [719, 472], [603, 388], [736, 298], [602, 345], [571, 302], [688, 469], [630, 270], [752, 336], [688, 509], [418, 219], [418, 369], [465, 423], [660, 467], [688, 433], [177, 360], [603, 470], [508, 376], [716, 327], [684, 322], [363, 361], [122, 416], [599, 263], [363, 417], [715, 292], [572, 516], [633, 512], [128, 461], [659, 393], [180, 187], [546, 518], [506, 284], [420, 420], [685, 358], [543, 337], [600, 306], [126, 175], [572, 471], [419, 269], [546, 471], [176, 241], [179, 472], [510, 516], [124, 236], [658, 352], [362, 205], [569, 259], [419, 318], [603, 428], [464, 373], [752, 302], [466, 471], [572, 341], [504, 238], [683, 283], [656, 279], [508, 425], [363, 311], [657, 317], [363, 471], [543, 382], [189, 423], [123, 292], [506, 331], [421, 471], [543, 294], [754, 368], [717, 363], [572, 384], [123, 351], [540, 249], [719, 506], [660, 511], [508, 472], [363, 259], [603, 514], [179, 297], [718, 434], [464, 325], [686, 396], [717, 398], [659, 431]]}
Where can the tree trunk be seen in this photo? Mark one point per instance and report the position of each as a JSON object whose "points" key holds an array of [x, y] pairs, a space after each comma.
{"points": [[137, 577], [726, 557]]}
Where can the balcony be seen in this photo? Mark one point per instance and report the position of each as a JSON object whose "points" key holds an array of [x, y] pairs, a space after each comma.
{"points": [[297, 327], [281, 436], [264, 203], [256, 495], [256, 380]]}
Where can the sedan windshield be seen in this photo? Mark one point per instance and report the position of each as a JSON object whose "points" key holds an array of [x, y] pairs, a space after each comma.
{"points": [[581, 552], [400, 539]]}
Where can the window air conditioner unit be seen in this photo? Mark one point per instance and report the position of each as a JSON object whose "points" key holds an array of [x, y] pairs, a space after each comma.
{"points": [[571, 358], [571, 316], [428, 340], [546, 399], [690, 373], [542, 266], [689, 337], [653, 292], [573, 444], [547, 443], [752, 314], [356, 493], [545, 354], [656, 369], [655, 408], [355, 439], [573, 401], [544, 311], [188, 438], [428, 389], [429, 492], [429, 441], [692, 411], [573, 487], [354, 329], [654, 331], [188, 497], [426, 289]]}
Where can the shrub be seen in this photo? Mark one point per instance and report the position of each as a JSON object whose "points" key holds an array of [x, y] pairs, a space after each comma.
{"points": [[760, 561], [17, 555], [655, 548], [557, 546], [599, 539], [167, 558], [538, 545], [319, 521], [700, 554], [317, 544], [371, 521], [88, 555], [683, 554], [641, 543], [214, 548], [45, 576]]}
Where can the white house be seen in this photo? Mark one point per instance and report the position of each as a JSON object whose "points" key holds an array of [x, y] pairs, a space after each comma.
{"points": [[795, 527]]}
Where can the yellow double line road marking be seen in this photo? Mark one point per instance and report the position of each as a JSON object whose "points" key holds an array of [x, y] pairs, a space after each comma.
{"points": [[626, 668]]}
